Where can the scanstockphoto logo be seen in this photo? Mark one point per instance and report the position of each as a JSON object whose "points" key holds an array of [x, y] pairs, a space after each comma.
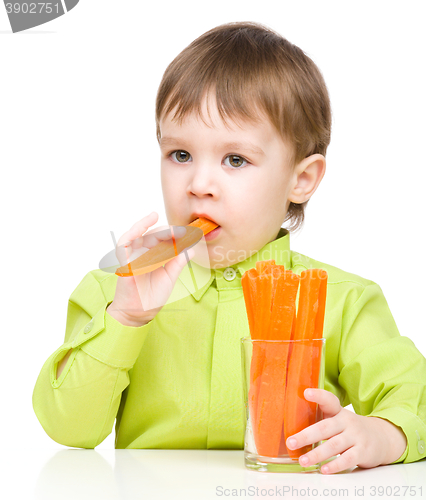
{"points": [[25, 14]]}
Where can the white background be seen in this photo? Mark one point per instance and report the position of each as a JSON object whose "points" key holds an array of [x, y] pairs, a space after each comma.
{"points": [[79, 156]]}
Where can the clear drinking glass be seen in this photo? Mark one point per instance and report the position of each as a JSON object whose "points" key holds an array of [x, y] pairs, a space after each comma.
{"points": [[275, 375]]}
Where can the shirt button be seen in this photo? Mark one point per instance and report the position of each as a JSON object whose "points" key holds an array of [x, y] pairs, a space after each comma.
{"points": [[229, 273], [88, 327]]}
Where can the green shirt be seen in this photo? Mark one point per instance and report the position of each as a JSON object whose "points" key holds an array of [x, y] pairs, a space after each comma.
{"points": [[176, 382]]}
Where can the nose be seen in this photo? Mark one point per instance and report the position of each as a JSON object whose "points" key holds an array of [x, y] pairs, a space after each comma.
{"points": [[203, 180]]}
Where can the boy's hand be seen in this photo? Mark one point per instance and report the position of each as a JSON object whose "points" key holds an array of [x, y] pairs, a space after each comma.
{"points": [[139, 298], [361, 441]]}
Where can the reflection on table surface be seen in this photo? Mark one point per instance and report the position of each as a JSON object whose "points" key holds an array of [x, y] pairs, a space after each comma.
{"points": [[201, 474]]}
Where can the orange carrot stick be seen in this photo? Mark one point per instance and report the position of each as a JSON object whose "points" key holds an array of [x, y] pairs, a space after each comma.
{"points": [[308, 304], [304, 361], [264, 408], [263, 305], [262, 265], [265, 367], [161, 253], [205, 224], [284, 306], [257, 289], [271, 399], [262, 312], [165, 251], [319, 320], [283, 448], [296, 412], [249, 283], [318, 331], [271, 393]]}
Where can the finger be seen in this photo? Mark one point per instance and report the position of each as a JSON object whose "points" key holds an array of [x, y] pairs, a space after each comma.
{"points": [[134, 245], [163, 233], [138, 228], [329, 402], [346, 460], [315, 433], [140, 239], [335, 445], [154, 236], [124, 250], [125, 253], [137, 246]]}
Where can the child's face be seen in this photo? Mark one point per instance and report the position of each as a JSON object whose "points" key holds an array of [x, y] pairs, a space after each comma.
{"points": [[215, 171]]}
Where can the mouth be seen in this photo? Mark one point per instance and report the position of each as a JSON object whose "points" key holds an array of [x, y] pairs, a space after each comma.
{"points": [[195, 216]]}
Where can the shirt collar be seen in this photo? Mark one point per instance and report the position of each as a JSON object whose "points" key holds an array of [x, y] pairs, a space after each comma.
{"points": [[193, 274]]}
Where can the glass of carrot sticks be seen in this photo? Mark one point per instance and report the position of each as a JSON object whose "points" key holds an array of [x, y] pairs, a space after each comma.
{"points": [[284, 355]]}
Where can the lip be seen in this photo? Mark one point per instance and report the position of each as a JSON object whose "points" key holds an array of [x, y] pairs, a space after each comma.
{"points": [[213, 234]]}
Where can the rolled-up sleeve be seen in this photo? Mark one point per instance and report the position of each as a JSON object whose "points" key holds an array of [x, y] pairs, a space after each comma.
{"points": [[78, 409], [383, 373]]}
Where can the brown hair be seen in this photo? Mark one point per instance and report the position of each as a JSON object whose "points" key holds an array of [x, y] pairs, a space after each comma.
{"points": [[252, 68]]}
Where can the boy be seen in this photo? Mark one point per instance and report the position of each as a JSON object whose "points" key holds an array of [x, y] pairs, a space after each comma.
{"points": [[243, 122]]}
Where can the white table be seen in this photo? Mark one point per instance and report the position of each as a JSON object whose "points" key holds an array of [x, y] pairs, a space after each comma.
{"points": [[188, 474]]}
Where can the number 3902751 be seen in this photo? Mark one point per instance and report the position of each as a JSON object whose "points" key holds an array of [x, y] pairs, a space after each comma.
{"points": [[32, 8]]}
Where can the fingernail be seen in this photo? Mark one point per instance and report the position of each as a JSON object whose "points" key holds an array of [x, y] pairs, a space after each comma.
{"points": [[292, 443], [304, 460]]}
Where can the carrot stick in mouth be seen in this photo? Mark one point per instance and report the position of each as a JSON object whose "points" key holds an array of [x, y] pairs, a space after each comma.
{"points": [[206, 225], [164, 251]]}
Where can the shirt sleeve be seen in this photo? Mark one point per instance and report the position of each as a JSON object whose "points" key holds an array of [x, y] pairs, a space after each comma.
{"points": [[383, 373], [79, 408]]}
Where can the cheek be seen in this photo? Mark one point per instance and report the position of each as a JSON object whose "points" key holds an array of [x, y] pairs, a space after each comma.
{"points": [[173, 190], [274, 191], [167, 181], [171, 176], [263, 208], [261, 199]]}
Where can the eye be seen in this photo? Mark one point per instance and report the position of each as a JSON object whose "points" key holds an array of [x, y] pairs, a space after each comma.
{"points": [[180, 156], [235, 161]]}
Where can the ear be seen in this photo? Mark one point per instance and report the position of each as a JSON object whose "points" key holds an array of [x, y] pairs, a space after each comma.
{"points": [[306, 178]]}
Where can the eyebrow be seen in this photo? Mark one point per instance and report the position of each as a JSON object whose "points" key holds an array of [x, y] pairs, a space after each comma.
{"points": [[246, 146]]}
